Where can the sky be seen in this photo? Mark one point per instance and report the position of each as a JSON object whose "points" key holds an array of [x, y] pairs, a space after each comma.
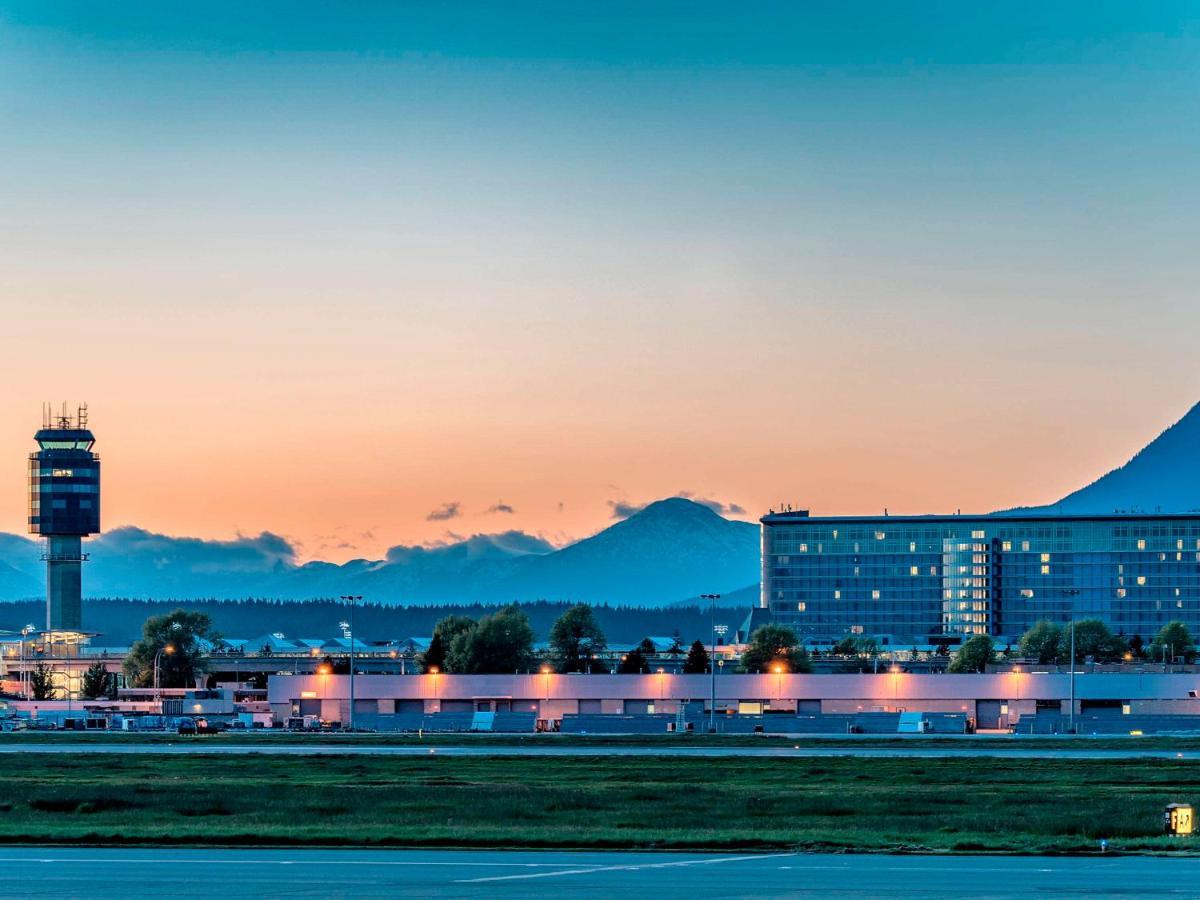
{"points": [[370, 274]]}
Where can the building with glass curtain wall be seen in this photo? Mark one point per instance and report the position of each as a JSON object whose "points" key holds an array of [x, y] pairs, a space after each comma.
{"points": [[916, 578]]}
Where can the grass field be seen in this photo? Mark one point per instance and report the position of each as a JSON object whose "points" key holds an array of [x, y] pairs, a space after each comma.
{"points": [[966, 743], [956, 805]]}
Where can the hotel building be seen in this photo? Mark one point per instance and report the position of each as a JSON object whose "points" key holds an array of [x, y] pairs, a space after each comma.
{"points": [[915, 578]]}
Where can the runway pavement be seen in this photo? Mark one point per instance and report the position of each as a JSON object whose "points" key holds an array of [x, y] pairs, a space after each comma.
{"points": [[802, 751], [107, 873]]}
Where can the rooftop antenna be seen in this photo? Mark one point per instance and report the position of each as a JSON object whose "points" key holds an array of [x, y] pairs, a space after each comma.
{"points": [[82, 415]]}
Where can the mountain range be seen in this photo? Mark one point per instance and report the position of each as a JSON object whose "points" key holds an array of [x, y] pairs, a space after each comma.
{"points": [[667, 552], [670, 550]]}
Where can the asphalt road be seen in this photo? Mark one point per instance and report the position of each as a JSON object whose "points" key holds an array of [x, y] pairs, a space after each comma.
{"points": [[269, 748], [229, 874]]}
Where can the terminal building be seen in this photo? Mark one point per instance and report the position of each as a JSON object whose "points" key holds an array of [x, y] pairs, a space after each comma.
{"points": [[927, 579]]}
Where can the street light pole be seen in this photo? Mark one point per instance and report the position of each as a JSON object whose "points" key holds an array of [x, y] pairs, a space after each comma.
{"points": [[712, 665], [165, 648], [351, 599]]}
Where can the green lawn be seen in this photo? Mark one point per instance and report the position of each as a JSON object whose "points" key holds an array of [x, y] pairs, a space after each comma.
{"points": [[968, 744], [955, 805]]}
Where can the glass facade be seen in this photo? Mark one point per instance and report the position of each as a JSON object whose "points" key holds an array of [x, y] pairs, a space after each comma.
{"points": [[64, 484], [914, 578]]}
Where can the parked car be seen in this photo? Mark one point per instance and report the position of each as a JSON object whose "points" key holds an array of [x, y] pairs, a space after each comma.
{"points": [[188, 726]]}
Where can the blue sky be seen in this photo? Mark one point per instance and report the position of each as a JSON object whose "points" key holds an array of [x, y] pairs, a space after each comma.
{"points": [[928, 256]]}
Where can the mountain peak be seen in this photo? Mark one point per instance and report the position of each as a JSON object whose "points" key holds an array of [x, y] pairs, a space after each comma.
{"points": [[1162, 477]]}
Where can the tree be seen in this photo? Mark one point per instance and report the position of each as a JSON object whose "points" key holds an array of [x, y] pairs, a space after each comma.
{"points": [[634, 662], [1173, 640], [97, 682], [697, 662], [1137, 646], [501, 642], [1040, 643], [772, 646], [855, 645], [973, 655], [1092, 638], [435, 657], [41, 682], [182, 636], [577, 641]]}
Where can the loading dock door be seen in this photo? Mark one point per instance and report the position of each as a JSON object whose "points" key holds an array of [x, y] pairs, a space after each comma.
{"points": [[987, 713]]}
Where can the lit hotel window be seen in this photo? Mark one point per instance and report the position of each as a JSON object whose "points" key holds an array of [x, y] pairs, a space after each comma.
{"points": [[801, 606], [1025, 546], [1045, 570], [1045, 557], [977, 535], [1006, 546], [1121, 592], [837, 595], [880, 535], [1141, 543], [913, 570], [1141, 580], [874, 595], [912, 546], [1027, 593]]}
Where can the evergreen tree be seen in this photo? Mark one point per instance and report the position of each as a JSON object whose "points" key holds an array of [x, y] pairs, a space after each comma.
{"points": [[697, 662], [97, 682], [41, 682]]}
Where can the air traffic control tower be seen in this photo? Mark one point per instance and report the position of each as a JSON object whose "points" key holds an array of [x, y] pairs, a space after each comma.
{"points": [[64, 507]]}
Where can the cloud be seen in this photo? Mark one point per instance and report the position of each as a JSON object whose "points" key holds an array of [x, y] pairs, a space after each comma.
{"points": [[622, 510], [445, 512], [721, 509], [500, 507]]}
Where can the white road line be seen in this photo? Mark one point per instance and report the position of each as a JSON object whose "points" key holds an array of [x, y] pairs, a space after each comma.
{"points": [[633, 867]]}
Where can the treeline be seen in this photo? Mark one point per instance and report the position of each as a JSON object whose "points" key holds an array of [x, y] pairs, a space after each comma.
{"points": [[119, 620]]}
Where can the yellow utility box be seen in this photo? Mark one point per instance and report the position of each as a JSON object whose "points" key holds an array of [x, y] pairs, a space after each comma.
{"points": [[1178, 818]]}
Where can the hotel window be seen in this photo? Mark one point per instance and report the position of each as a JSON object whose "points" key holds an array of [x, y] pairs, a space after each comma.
{"points": [[912, 546], [804, 548], [880, 535], [1045, 557], [977, 535], [856, 629], [1025, 546], [1006, 546], [1141, 543], [874, 595], [801, 606], [1027, 593], [1121, 592], [913, 570], [837, 595], [1045, 570], [1141, 580]]}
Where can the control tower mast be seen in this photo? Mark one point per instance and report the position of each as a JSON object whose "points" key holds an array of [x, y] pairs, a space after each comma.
{"points": [[64, 507]]}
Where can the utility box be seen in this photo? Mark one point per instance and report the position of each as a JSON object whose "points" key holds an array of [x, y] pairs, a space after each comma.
{"points": [[1178, 818]]}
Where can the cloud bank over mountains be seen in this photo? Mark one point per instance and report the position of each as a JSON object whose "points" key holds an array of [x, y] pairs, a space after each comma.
{"points": [[665, 552]]}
